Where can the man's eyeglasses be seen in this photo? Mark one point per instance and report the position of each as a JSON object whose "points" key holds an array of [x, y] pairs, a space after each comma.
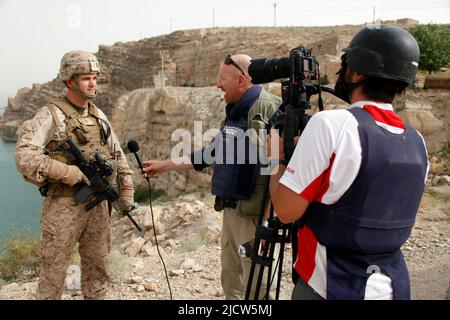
{"points": [[229, 61]]}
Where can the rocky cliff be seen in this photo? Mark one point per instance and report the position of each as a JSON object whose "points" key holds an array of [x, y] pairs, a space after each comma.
{"points": [[162, 121]]}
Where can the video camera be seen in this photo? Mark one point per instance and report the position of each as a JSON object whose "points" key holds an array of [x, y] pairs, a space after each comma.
{"points": [[302, 69]]}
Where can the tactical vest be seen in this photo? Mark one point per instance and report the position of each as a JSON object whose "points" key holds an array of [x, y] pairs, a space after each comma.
{"points": [[235, 180], [365, 229], [89, 135]]}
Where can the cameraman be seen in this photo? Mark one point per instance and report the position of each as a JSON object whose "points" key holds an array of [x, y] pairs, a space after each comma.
{"points": [[356, 178], [238, 187]]}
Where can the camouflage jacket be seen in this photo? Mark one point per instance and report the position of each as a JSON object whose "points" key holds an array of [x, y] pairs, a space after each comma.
{"points": [[35, 134]]}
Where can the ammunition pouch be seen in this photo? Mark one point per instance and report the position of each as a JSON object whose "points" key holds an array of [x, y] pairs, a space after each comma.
{"points": [[57, 189]]}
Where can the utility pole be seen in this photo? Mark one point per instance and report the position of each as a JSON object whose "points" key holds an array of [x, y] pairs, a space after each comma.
{"points": [[214, 17], [374, 8], [275, 14]]}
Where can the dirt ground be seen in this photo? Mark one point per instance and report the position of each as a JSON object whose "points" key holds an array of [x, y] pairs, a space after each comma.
{"points": [[192, 260]]}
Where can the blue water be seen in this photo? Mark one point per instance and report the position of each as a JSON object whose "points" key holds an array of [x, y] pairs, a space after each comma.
{"points": [[20, 202]]}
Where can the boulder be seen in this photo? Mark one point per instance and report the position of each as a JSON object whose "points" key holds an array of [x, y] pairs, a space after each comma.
{"points": [[422, 120], [136, 245]]}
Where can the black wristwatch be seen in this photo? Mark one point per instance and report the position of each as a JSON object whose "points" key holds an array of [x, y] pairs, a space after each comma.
{"points": [[283, 162]]}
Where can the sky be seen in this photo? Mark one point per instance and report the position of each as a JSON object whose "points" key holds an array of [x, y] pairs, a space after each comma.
{"points": [[35, 34]]}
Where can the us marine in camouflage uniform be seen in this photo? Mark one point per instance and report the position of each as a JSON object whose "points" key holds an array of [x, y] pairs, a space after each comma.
{"points": [[64, 221]]}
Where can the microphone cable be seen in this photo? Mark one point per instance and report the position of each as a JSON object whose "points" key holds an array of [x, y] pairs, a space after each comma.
{"points": [[154, 234], [133, 146]]}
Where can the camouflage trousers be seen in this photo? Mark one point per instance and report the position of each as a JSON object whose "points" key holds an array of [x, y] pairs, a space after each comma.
{"points": [[236, 230], [64, 223]]}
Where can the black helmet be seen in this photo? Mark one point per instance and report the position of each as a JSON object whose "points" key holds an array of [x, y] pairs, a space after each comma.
{"points": [[384, 51]]}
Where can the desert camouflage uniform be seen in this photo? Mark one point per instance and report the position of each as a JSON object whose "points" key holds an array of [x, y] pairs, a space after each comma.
{"points": [[65, 222]]}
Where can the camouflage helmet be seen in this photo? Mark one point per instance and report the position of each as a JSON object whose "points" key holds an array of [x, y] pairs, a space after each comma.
{"points": [[76, 62]]}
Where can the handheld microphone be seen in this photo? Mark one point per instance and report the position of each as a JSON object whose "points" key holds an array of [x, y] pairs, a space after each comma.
{"points": [[133, 146]]}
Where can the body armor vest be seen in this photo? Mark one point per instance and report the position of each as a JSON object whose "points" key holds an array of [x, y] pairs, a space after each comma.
{"points": [[372, 220], [234, 176], [87, 132]]}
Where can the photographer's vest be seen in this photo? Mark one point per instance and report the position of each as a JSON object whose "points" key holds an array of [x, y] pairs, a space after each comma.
{"points": [[235, 181], [364, 230], [88, 134]]}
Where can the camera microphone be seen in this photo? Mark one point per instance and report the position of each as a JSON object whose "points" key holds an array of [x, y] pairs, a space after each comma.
{"points": [[133, 147]]}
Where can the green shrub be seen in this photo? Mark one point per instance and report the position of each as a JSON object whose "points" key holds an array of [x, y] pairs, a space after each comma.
{"points": [[19, 257], [192, 242], [324, 80], [444, 157], [434, 43], [141, 195], [445, 151]]}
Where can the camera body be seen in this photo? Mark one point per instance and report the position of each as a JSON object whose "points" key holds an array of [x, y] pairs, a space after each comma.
{"points": [[300, 64], [302, 69]]}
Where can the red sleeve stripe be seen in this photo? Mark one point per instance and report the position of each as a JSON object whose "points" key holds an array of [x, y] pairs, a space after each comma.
{"points": [[316, 189], [384, 116], [306, 253]]}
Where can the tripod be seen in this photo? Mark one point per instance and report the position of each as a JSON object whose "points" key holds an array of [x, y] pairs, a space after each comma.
{"points": [[275, 232]]}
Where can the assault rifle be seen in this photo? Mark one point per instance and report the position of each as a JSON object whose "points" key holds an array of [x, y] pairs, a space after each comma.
{"points": [[96, 170]]}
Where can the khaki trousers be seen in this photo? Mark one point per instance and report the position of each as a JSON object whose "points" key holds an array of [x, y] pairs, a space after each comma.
{"points": [[64, 223], [236, 230]]}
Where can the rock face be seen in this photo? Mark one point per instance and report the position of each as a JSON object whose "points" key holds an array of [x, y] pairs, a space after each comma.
{"points": [[23, 106], [8, 130], [163, 122], [422, 120]]}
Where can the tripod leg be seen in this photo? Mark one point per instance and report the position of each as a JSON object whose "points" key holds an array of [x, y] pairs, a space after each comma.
{"points": [[286, 235], [257, 242], [272, 249], [269, 272], [280, 270], [250, 278], [261, 274]]}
